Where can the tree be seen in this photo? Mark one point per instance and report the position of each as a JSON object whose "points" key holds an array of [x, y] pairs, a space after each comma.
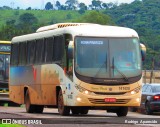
{"points": [[82, 7], [96, 4], [96, 17], [58, 5], [49, 6], [10, 22], [29, 8], [71, 4], [6, 8], [28, 18], [28, 23], [104, 5]]}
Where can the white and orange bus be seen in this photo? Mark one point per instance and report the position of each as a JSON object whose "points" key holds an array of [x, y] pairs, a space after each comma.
{"points": [[77, 67]]}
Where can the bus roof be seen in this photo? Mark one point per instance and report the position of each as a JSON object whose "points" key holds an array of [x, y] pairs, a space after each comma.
{"points": [[95, 30], [59, 25]]}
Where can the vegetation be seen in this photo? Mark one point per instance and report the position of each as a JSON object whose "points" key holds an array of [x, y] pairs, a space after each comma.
{"points": [[11, 125], [141, 15]]}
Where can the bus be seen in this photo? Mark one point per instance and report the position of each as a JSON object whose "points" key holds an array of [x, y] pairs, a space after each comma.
{"points": [[5, 48], [77, 67]]}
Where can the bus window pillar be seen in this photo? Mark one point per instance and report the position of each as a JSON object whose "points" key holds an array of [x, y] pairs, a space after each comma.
{"points": [[70, 60]]}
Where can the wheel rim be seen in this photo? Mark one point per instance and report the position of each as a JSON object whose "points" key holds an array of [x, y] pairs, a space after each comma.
{"points": [[27, 101]]}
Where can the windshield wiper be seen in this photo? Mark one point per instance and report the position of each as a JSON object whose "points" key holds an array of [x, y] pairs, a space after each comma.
{"points": [[100, 69], [114, 67]]}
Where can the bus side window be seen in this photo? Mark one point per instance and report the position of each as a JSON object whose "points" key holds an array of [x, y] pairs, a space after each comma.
{"points": [[22, 53], [39, 51], [14, 54], [31, 52], [49, 49], [58, 48], [61, 47]]}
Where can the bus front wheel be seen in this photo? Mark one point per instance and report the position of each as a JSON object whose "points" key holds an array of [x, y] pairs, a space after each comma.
{"points": [[122, 111], [62, 109], [84, 111], [29, 107]]}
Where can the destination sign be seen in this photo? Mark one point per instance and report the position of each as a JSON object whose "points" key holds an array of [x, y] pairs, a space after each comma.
{"points": [[5, 48], [92, 42]]}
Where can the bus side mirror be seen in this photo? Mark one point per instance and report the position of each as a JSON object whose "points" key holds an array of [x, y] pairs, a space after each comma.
{"points": [[70, 49], [143, 51]]}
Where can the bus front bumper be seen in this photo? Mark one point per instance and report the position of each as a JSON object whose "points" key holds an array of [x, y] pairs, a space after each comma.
{"points": [[83, 100]]}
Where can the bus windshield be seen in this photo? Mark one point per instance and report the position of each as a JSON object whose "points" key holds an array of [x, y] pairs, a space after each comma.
{"points": [[97, 57], [4, 67]]}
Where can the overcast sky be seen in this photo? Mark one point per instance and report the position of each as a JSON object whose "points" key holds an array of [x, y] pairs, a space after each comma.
{"points": [[38, 4]]}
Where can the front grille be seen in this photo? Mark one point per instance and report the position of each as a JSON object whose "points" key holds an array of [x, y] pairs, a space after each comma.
{"points": [[101, 93], [102, 101]]}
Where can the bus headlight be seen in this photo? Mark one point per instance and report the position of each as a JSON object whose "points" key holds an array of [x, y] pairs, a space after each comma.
{"points": [[136, 90], [83, 90]]}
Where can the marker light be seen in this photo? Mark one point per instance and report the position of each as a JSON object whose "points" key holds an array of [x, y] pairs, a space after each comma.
{"points": [[79, 99], [136, 90], [132, 92], [83, 90], [138, 99], [86, 92]]}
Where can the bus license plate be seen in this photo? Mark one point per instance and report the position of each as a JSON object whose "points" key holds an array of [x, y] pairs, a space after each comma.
{"points": [[110, 99]]}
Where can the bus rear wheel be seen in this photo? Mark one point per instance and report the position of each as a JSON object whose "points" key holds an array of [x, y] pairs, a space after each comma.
{"points": [[39, 108], [63, 110], [29, 107], [122, 111]]}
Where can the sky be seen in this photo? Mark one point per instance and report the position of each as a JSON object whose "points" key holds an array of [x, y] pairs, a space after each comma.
{"points": [[39, 4]]}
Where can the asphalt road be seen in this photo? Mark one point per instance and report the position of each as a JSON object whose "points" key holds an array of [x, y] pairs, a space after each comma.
{"points": [[95, 118]]}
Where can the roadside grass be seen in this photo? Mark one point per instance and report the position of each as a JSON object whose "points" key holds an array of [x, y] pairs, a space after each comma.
{"points": [[11, 125], [5, 104], [11, 104]]}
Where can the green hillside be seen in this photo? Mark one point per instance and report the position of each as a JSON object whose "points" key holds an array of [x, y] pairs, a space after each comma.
{"points": [[43, 16]]}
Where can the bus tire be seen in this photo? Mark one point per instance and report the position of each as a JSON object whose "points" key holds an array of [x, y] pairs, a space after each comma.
{"points": [[63, 110], [29, 107], [84, 111], [122, 111], [75, 110], [39, 108]]}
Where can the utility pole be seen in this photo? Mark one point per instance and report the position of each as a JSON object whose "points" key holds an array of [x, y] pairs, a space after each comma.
{"points": [[42, 6], [12, 5], [152, 68]]}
